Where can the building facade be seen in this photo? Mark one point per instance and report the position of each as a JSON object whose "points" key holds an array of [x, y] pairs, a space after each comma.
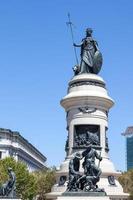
{"points": [[129, 147], [12, 144]]}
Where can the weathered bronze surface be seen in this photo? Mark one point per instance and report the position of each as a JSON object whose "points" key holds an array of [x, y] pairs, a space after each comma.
{"points": [[8, 189], [91, 57], [86, 182]]}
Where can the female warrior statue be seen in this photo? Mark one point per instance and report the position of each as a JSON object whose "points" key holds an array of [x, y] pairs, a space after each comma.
{"points": [[91, 58]]}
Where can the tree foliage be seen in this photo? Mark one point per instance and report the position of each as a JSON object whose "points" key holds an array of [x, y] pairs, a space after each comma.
{"points": [[126, 180], [28, 185], [25, 182], [45, 179]]}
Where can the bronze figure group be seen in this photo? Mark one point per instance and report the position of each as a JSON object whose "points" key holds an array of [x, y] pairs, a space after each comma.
{"points": [[88, 180]]}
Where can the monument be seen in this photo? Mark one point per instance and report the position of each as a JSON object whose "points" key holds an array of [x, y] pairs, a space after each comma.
{"points": [[8, 189], [87, 172]]}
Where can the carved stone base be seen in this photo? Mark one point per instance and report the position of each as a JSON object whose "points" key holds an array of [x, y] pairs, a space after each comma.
{"points": [[83, 198], [6, 198], [87, 104], [84, 194]]}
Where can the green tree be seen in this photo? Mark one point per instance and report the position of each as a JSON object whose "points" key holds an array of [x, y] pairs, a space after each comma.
{"points": [[126, 180], [45, 179], [25, 181]]}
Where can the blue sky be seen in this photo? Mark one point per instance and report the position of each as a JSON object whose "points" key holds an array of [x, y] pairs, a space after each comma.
{"points": [[36, 60]]}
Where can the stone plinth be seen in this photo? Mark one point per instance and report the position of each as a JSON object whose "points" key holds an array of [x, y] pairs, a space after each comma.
{"points": [[83, 196], [6, 198], [87, 105]]}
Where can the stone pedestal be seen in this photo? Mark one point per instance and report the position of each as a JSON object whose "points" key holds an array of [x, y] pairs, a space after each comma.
{"points": [[82, 198], [87, 105], [6, 198]]}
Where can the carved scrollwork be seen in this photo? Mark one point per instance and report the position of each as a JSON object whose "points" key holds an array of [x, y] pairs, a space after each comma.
{"points": [[62, 180], [87, 109], [111, 180]]}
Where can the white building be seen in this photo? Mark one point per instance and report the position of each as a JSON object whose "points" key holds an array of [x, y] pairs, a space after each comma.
{"points": [[12, 144]]}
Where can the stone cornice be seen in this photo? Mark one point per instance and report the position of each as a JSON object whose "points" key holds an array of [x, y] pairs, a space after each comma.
{"points": [[16, 135]]}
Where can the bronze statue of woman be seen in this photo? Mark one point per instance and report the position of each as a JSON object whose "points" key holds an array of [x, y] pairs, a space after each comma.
{"points": [[91, 58]]}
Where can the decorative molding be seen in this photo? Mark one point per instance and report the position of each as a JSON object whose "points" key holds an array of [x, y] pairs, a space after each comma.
{"points": [[14, 136], [87, 110], [111, 180], [62, 180], [80, 83], [20, 153]]}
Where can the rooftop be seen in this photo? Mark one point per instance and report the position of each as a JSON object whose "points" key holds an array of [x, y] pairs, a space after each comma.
{"points": [[129, 131], [17, 134]]}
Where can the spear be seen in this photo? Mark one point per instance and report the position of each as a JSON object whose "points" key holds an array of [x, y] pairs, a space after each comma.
{"points": [[70, 24]]}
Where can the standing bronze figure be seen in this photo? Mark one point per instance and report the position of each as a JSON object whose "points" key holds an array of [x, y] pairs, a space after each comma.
{"points": [[74, 173], [8, 189], [91, 58]]}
